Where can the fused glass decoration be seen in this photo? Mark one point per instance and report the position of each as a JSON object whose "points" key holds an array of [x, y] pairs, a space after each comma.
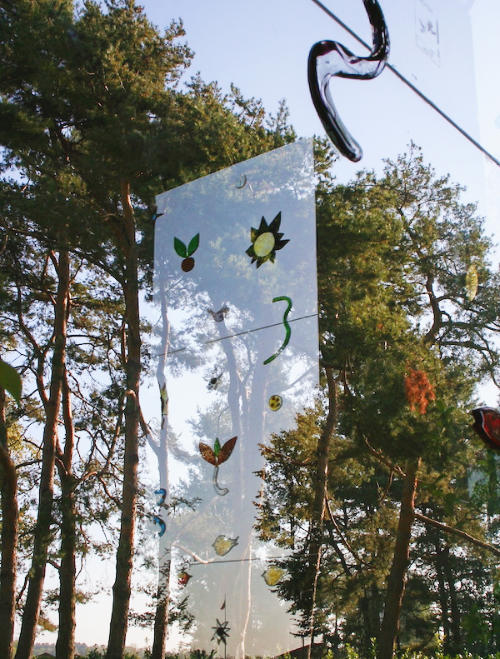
{"points": [[328, 59], [487, 426], [236, 300]]}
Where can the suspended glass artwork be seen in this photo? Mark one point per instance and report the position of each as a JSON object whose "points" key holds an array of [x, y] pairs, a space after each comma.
{"points": [[235, 292], [328, 59], [487, 426]]}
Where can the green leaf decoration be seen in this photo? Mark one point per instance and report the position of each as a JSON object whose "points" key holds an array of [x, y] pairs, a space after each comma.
{"points": [[10, 380], [180, 248], [275, 224], [193, 245], [217, 447]]}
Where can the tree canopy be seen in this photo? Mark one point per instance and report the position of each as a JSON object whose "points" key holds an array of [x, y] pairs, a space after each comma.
{"points": [[381, 487]]}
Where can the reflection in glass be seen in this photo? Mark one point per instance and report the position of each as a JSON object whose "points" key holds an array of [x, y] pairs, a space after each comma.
{"points": [[238, 350]]}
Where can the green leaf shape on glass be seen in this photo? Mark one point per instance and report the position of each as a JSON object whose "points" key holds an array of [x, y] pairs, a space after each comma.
{"points": [[288, 330], [180, 248], [10, 380], [193, 245]]}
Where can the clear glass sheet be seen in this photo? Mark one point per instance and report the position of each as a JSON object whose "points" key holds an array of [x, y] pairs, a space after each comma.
{"points": [[431, 45], [238, 354]]}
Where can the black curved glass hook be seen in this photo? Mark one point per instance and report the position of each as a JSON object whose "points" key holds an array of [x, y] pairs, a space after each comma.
{"points": [[330, 58]]}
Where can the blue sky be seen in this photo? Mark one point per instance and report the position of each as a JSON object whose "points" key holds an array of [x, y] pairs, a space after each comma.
{"points": [[262, 47]]}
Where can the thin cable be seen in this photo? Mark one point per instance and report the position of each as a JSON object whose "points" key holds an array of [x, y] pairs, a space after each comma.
{"points": [[255, 329], [409, 84], [243, 560], [237, 560]]}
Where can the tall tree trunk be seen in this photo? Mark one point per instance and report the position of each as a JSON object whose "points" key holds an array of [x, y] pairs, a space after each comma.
{"points": [[455, 645], [161, 451], [443, 596], [41, 538], [8, 493], [375, 611], [162, 606], [365, 635], [125, 552], [320, 494], [161, 615], [397, 576], [65, 645], [369, 607]]}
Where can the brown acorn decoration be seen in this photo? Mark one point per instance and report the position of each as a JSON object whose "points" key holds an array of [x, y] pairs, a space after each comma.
{"points": [[186, 253], [183, 577]]}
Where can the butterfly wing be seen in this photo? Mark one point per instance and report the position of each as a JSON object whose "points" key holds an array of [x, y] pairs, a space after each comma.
{"points": [[207, 454], [226, 450], [487, 425]]}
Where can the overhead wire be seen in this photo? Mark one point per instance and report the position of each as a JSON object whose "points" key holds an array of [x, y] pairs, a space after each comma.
{"points": [[409, 84], [250, 331]]}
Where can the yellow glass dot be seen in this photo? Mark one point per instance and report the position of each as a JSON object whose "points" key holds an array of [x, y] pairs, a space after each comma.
{"points": [[264, 244], [275, 402], [273, 575]]}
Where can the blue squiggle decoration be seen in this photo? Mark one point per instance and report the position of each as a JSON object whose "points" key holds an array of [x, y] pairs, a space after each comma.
{"points": [[161, 524], [162, 492]]}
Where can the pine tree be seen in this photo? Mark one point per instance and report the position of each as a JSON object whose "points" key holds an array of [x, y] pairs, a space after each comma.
{"points": [[408, 342], [92, 121]]}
